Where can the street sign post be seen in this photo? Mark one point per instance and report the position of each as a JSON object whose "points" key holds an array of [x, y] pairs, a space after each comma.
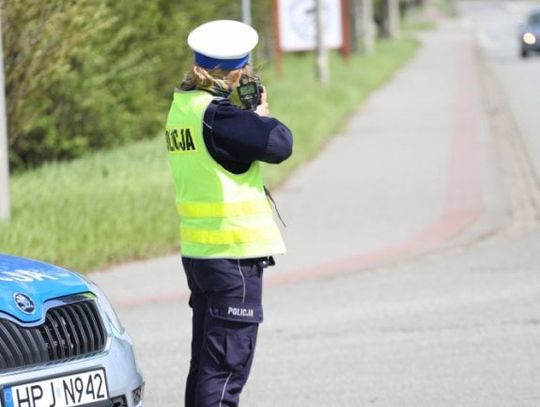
{"points": [[4, 157], [246, 11]]}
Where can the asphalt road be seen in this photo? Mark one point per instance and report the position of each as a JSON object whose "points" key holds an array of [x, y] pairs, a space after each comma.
{"points": [[497, 24], [433, 299]]}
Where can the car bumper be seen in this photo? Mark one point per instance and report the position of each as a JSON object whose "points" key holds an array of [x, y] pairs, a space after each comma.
{"points": [[124, 380], [531, 47]]}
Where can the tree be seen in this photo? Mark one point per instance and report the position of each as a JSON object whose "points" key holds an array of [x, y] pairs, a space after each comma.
{"points": [[43, 42], [365, 16], [84, 74], [387, 17]]}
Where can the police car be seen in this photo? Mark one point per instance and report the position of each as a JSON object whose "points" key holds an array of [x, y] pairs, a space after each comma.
{"points": [[61, 343]]}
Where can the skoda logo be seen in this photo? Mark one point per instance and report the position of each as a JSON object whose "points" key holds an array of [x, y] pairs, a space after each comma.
{"points": [[24, 303]]}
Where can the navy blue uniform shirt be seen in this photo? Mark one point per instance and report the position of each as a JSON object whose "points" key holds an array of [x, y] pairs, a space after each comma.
{"points": [[235, 137]]}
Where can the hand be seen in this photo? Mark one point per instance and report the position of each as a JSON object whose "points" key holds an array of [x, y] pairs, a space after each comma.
{"points": [[263, 109]]}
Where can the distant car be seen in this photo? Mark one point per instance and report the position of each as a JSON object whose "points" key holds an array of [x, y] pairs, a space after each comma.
{"points": [[530, 33], [61, 343]]}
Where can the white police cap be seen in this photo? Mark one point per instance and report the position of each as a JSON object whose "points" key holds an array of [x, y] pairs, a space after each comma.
{"points": [[224, 44]]}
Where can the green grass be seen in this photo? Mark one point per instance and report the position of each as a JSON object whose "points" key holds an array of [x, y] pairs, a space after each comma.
{"points": [[118, 205]]}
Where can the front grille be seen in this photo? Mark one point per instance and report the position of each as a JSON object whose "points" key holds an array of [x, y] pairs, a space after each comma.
{"points": [[69, 331]]}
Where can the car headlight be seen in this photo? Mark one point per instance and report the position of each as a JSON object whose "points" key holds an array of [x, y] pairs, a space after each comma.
{"points": [[105, 305], [529, 38]]}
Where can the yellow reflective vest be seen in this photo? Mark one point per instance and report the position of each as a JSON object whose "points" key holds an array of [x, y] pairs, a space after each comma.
{"points": [[222, 215]]}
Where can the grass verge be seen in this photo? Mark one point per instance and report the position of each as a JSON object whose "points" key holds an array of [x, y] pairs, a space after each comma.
{"points": [[118, 205]]}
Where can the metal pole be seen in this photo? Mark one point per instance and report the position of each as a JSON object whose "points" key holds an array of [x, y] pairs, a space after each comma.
{"points": [[246, 18], [5, 209], [346, 19], [246, 11], [278, 60], [322, 52]]}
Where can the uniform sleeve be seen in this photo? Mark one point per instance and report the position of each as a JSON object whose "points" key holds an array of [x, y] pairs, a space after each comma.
{"points": [[233, 135]]}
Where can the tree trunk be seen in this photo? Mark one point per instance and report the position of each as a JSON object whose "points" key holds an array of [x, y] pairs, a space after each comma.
{"points": [[392, 18], [366, 26]]}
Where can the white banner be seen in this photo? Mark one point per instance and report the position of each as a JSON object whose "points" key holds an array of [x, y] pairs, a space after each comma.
{"points": [[297, 24]]}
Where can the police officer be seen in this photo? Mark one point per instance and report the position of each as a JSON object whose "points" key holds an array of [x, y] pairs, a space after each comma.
{"points": [[227, 231]]}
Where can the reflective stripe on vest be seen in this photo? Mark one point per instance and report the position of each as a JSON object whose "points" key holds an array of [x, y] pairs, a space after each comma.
{"points": [[221, 214], [222, 209], [222, 237]]}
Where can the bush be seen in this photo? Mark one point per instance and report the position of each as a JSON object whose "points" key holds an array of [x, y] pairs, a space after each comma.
{"points": [[83, 74], [43, 45]]}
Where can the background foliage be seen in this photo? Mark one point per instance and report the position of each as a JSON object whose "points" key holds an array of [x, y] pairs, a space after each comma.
{"points": [[84, 74]]}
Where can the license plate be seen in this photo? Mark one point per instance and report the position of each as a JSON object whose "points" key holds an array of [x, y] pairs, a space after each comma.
{"points": [[66, 391]]}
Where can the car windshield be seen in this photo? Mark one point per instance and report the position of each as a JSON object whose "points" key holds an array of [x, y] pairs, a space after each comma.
{"points": [[534, 19]]}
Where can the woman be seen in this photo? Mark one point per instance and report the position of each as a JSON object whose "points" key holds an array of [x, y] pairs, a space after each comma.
{"points": [[227, 231]]}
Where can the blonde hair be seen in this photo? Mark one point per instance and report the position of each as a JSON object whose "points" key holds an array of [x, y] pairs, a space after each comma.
{"points": [[201, 78]]}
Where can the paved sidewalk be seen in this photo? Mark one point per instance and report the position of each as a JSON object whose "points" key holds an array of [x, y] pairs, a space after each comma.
{"points": [[411, 172]]}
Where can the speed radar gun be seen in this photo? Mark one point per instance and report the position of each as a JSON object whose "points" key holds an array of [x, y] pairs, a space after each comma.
{"points": [[250, 91]]}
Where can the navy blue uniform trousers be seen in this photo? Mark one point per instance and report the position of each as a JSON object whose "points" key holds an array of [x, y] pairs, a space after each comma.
{"points": [[226, 299]]}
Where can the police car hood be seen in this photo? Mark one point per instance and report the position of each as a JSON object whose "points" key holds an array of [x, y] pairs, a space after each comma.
{"points": [[36, 281]]}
